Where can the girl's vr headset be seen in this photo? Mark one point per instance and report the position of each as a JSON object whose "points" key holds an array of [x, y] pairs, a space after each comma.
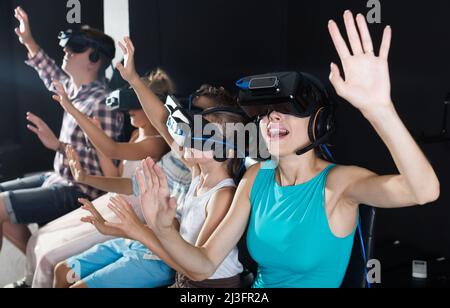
{"points": [[297, 94], [125, 99], [191, 130], [79, 42]]}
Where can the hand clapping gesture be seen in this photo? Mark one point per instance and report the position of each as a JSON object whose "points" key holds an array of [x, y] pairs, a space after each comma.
{"points": [[129, 225], [158, 207]]}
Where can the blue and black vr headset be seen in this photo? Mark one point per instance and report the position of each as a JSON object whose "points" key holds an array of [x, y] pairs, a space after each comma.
{"points": [[190, 129], [292, 93]]}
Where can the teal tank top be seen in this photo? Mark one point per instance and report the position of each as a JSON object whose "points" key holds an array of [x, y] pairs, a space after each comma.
{"points": [[289, 235]]}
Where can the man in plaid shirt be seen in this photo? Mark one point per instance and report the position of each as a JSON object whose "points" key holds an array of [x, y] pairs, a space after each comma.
{"points": [[44, 198]]}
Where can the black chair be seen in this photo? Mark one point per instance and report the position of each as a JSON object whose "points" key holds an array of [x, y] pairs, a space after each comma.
{"points": [[357, 268], [250, 266]]}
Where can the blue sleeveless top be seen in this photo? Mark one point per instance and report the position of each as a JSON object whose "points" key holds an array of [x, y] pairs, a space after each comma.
{"points": [[289, 235]]}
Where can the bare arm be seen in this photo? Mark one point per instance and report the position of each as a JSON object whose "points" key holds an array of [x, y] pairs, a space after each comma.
{"points": [[24, 32], [199, 262], [110, 184], [367, 87], [152, 105], [46, 67], [116, 185], [153, 147]]}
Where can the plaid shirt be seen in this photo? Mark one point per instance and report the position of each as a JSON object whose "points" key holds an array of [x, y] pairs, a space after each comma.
{"points": [[89, 100]]}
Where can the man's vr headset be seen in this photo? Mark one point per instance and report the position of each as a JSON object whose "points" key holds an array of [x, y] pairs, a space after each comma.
{"points": [[79, 42], [292, 93], [190, 129], [125, 99]]}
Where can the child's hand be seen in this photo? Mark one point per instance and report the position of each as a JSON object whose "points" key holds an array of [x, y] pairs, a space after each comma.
{"points": [[158, 207], [62, 98], [98, 221], [129, 224], [78, 172], [128, 70]]}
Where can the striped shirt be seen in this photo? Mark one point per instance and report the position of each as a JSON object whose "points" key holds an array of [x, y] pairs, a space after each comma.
{"points": [[90, 100]]}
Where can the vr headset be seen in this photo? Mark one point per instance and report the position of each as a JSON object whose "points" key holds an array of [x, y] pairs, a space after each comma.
{"points": [[297, 94], [78, 42], [190, 129], [125, 99]]}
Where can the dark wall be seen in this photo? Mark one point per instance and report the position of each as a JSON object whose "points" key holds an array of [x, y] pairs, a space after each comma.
{"points": [[21, 89], [220, 41]]}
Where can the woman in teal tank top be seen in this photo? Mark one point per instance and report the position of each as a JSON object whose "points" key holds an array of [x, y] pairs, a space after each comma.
{"points": [[289, 236], [302, 212]]}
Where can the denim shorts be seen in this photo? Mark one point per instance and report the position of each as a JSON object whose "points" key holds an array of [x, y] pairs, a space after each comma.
{"points": [[121, 263], [27, 202]]}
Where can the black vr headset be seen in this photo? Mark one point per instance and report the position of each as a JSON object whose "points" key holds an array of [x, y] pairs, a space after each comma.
{"points": [[79, 42], [292, 93], [125, 99], [182, 124]]}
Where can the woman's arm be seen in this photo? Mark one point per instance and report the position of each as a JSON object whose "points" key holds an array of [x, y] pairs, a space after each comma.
{"points": [[367, 87], [152, 105], [131, 227], [159, 209], [153, 147]]}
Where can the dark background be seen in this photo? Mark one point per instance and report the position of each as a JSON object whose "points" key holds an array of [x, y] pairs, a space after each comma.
{"points": [[220, 41]]}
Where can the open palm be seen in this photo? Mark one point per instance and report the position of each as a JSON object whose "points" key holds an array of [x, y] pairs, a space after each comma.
{"points": [[367, 81], [128, 69], [158, 207]]}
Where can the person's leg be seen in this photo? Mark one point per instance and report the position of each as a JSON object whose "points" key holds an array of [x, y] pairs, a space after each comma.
{"points": [[18, 235], [79, 285], [64, 276], [71, 271], [138, 268], [4, 217]]}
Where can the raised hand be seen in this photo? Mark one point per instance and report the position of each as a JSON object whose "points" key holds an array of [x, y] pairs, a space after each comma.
{"points": [[97, 220], [43, 132], [24, 30], [62, 98], [367, 83], [158, 207], [78, 172], [130, 225], [128, 70]]}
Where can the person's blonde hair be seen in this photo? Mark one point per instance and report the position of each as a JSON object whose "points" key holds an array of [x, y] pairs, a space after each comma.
{"points": [[159, 82]]}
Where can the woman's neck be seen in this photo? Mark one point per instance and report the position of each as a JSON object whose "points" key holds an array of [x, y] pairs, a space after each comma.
{"points": [[295, 170]]}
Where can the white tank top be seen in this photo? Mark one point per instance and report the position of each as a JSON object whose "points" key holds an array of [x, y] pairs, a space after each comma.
{"points": [[193, 216], [129, 168]]}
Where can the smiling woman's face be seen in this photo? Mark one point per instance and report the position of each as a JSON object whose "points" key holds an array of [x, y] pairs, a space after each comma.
{"points": [[284, 134]]}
